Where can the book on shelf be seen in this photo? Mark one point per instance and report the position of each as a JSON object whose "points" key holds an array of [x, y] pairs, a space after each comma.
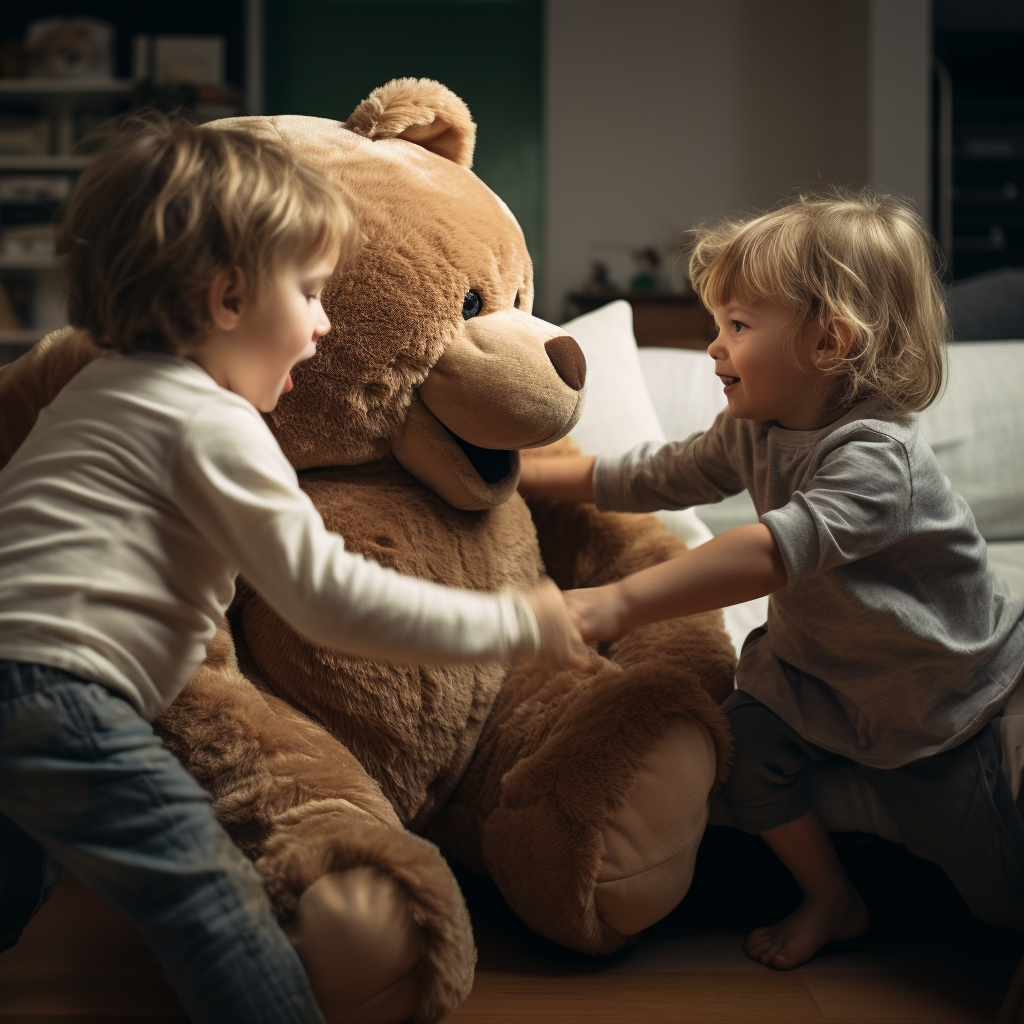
{"points": [[35, 188], [24, 135], [29, 204]]}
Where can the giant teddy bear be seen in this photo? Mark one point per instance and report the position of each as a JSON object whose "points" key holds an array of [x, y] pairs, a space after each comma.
{"points": [[583, 794]]}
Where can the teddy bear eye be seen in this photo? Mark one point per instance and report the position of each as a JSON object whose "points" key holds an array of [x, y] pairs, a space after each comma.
{"points": [[471, 304], [515, 305]]}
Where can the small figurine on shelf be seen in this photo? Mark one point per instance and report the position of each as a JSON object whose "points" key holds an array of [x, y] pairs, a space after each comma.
{"points": [[599, 281], [648, 263], [70, 48]]}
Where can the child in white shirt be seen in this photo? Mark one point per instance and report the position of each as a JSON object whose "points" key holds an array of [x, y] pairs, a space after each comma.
{"points": [[199, 257], [889, 642]]}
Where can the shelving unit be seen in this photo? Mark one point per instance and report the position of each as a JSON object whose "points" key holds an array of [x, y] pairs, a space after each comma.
{"points": [[979, 136], [61, 102]]}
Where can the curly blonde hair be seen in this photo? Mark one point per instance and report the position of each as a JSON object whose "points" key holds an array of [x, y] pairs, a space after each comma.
{"points": [[859, 259], [165, 206]]}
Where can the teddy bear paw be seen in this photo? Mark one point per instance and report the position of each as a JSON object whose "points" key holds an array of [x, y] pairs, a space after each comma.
{"points": [[651, 838], [360, 945]]}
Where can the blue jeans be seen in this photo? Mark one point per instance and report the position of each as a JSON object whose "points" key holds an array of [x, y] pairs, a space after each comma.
{"points": [[84, 782]]}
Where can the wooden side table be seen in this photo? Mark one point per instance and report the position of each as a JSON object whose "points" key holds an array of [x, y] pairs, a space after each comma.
{"points": [[660, 319]]}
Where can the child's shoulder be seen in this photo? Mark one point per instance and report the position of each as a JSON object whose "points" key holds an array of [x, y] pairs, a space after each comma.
{"points": [[150, 391], [874, 417]]}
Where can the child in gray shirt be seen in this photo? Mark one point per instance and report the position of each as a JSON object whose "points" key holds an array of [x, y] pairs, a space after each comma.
{"points": [[889, 641]]}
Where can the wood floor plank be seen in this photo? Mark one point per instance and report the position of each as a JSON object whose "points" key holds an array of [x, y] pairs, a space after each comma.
{"points": [[79, 1018], [80, 962], [721, 997], [80, 958], [872, 1019], [906, 996]]}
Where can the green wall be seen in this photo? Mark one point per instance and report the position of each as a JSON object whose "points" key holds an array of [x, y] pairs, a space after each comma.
{"points": [[323, 57]]}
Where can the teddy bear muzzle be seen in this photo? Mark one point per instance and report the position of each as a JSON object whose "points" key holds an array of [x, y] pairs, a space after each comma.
{"points": [[506, 381]]}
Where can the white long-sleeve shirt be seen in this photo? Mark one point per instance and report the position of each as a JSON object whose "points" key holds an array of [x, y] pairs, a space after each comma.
{"points": [[141, 492]]}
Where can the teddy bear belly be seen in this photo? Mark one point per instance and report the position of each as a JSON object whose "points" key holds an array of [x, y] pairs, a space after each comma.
{"points": [[414, 728]]}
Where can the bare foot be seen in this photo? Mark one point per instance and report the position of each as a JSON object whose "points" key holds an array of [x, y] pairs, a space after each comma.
{"points": [[818, 921]]}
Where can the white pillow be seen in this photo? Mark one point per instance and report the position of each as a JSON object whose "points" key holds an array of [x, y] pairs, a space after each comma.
{"points": [[618, 413]]}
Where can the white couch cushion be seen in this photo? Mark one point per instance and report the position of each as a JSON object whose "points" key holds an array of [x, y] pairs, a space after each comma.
{"points": [[976, 430], [687, 396]]}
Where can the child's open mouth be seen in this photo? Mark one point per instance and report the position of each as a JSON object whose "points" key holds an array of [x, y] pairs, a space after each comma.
{"points": [[727, 381]]}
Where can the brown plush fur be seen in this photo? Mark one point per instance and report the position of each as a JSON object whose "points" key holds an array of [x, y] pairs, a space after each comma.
{"points": [[33, 381], [318, 761]]}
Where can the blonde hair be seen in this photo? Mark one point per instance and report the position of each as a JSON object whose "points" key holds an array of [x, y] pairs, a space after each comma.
{"points": [[165, 206], [863, 260]]}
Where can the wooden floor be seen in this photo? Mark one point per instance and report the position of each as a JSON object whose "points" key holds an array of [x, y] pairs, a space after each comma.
{"points": [[924, 960]]}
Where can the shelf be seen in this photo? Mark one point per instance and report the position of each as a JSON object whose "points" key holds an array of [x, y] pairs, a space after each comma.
{"points": [[660, 319], [43, 163], [29, 262], [29, 88]]}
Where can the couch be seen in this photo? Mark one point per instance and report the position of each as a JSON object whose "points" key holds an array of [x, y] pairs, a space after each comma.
{"points": [[976, 429]]}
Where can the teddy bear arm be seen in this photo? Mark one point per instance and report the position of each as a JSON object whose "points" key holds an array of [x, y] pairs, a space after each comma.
{"points": [[584, 547], [33, 380]]}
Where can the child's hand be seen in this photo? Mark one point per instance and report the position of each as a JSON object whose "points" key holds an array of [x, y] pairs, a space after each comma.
{"points": [[559, 639], [598, 612]]}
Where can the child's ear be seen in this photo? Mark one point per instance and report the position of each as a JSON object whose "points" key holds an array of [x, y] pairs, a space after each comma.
{"points": [[226, 298], [834, 345]]}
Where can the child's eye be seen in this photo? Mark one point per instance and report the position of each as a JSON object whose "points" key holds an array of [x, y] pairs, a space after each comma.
{"points": [[737, 326]]}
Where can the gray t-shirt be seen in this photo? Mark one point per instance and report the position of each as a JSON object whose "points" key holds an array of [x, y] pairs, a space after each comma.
{"points": [[905, 641]]}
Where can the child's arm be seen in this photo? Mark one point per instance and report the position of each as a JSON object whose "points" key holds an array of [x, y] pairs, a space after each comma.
{"points": [[231, 480], [563, 477], [735, 566]]}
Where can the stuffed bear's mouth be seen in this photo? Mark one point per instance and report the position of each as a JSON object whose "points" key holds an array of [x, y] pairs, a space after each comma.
{"points": [[493, 464]]}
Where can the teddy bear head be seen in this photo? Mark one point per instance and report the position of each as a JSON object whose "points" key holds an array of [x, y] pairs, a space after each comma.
{"points": [[433, 355]]}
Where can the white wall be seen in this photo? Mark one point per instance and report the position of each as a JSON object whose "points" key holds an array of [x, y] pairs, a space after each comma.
{"points": [[899, 66], [663, 113]]}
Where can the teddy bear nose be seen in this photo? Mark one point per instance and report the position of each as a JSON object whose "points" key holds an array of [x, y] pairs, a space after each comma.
{"points": [[568, 360]]}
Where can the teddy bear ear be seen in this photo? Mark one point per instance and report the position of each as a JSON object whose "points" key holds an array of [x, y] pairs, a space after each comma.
{"points": [[421, 111]]}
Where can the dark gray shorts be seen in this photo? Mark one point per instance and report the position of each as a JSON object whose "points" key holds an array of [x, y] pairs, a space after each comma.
{"points": [[953, 808]]}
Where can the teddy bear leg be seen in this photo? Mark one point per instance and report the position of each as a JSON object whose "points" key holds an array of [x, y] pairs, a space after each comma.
{"points": [[651, 837], [592, 794], [374, 911], [361, 946], [375, 914]]}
